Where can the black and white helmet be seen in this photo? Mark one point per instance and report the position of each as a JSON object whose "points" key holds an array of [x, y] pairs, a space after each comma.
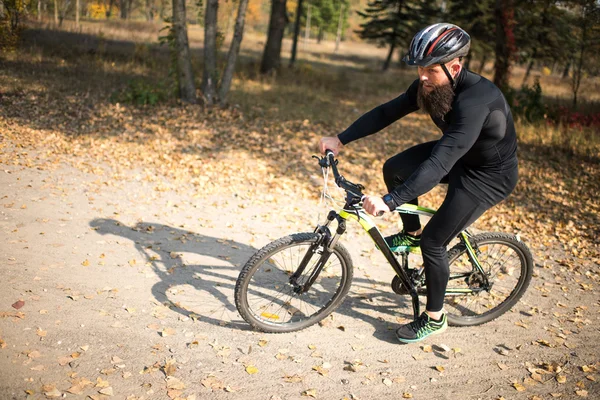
{"points": [[438, 44]]}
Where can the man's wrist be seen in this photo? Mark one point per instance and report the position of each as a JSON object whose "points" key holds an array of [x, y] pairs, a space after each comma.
{"points": [[390, 202]]}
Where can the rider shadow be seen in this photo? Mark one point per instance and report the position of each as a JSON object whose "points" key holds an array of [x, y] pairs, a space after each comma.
{"points": [[198, 274]]}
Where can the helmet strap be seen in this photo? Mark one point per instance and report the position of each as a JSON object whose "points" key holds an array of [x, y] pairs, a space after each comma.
{"points": [[450, 78]]}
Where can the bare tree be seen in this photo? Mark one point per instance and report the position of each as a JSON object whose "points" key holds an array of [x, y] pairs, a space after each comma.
{"points": [[272, 54], [209, 75], [234, 50], [504, 13], [185, 74], [296, 33]]}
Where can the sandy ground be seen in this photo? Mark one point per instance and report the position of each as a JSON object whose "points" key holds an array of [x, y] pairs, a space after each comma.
{"points": [[126, 292]]}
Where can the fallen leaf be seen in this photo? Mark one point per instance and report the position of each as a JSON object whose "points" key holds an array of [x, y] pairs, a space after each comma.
{"points": [[76, 389], [18, 304], [52, 392], [85, 263], [561, 378], [387, 382], [211, 382], [292, 378], [519, 387], [427, 348], [310, 393], [251, 369], [262, 342], [439, 368], [101, 383], [582, 393], [168, 332], [174, 383], [407, 395], [108, 391]]}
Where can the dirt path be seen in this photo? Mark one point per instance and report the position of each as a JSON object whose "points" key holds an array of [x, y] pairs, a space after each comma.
{"points": [[107, 274]]}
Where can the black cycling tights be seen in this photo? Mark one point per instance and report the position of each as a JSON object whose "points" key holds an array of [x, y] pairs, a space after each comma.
{"points": [[458, 211]]}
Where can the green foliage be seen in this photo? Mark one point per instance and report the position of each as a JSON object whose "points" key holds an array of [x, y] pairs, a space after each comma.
{"points": [[396, 21], [477, 18], [169, 40], [527, 103], [142, 93]]}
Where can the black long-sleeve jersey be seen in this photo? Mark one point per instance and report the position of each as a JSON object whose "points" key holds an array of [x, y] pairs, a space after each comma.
{"points": [[479, 140]]}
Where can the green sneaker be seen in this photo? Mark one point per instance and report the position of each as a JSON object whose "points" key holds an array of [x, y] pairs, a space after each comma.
{"points": [[421, 328], [403, 241]]}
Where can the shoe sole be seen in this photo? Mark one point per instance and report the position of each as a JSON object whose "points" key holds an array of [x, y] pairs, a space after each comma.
{"points": [[403, 249], [437, 332]]}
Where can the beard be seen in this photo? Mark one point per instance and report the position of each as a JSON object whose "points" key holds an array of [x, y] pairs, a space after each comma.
{"points": [[437, 102]]}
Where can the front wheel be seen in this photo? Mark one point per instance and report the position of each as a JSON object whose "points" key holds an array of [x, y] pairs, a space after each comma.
{"points": [[267, 297], [473, 298]]}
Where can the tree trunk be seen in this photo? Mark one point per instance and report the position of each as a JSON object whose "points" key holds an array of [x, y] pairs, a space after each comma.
{"points": [[296, 33], [39, 11], [320, 34], [388, 60], [123, 6], [56, 12], [565, 73], [77, 11], [504, 43], [209, 76], [468, 59], [272, 54], [338, 36], [527, 72], [236, 41], [578, 68], [109, 10], [307, 27], [482, 65], [149, 10], [185, 74]]}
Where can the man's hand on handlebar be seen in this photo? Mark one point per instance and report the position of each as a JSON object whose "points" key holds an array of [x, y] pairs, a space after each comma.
{"points": [[375, 205], [330, 143]]}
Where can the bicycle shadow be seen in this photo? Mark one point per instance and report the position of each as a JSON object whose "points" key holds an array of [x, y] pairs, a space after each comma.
{"points": [[197, 276]]}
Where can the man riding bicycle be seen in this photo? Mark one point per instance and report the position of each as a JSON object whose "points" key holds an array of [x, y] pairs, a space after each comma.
{"points": [[476, 156]]}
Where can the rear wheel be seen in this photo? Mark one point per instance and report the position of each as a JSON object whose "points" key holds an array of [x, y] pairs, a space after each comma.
{"points": [[266, 297], [507, 266]]}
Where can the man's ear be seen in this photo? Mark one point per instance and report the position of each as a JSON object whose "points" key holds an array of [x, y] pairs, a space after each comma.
{"points": [[455, 68]]}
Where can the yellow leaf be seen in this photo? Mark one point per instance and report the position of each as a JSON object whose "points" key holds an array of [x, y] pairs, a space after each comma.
{"points": [[101, 383], [519, 387], [582, 393], [427, 348], [407, 395], [41, 333], [85, 263], [251, 369], [107, 391], [262, 342], [310, 393], [174, 383], [312, 346], [439, 368], [168, 332], [561, 378]]}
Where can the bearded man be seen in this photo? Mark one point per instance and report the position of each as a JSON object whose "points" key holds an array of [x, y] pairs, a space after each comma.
{"points": [[476, 156]]}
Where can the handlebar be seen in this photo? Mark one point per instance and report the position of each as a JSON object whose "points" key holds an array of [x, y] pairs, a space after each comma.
{"points": [[353, 190]]}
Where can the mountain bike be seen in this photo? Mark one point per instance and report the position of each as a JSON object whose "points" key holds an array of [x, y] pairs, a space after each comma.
{"points": [[297, 280]]}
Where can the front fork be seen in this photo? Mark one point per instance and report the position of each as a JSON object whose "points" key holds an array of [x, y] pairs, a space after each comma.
{"points": [[325, 244]]}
